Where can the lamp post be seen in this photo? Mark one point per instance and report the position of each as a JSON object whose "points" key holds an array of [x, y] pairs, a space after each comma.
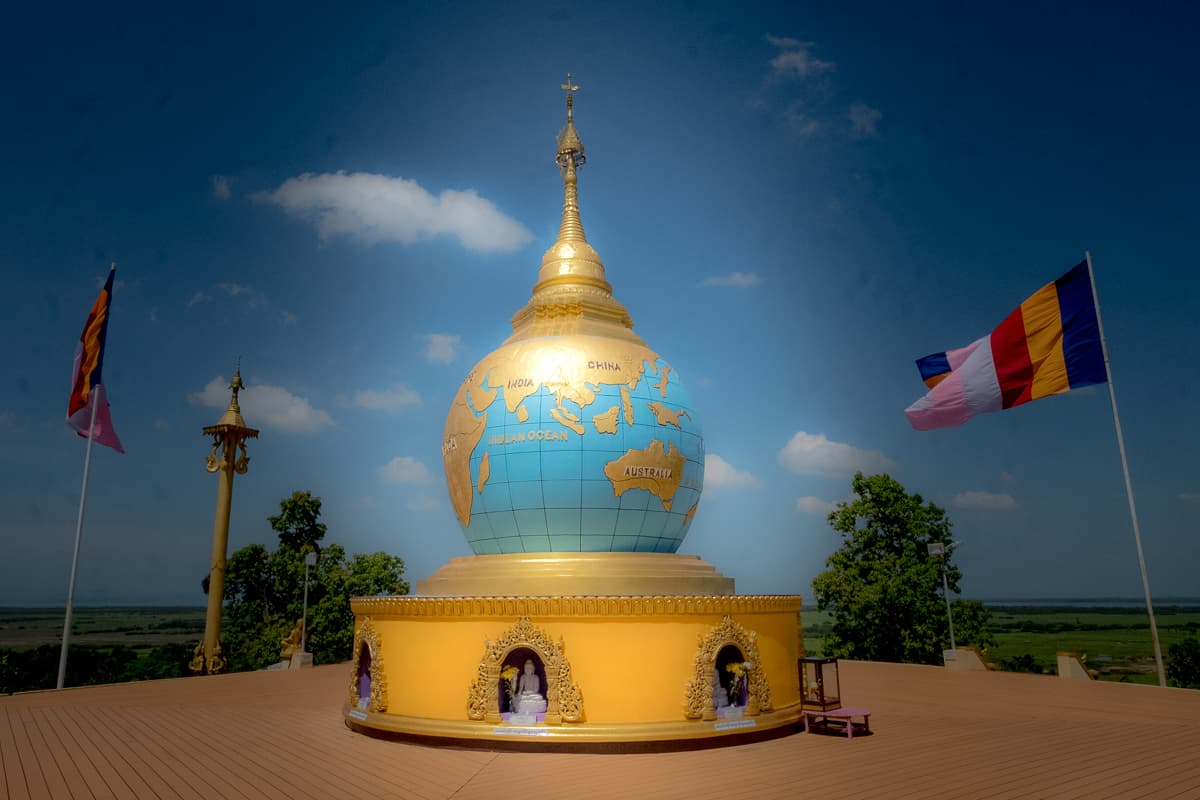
{"points": [[229, 436], [310, 560], [943, 550]]}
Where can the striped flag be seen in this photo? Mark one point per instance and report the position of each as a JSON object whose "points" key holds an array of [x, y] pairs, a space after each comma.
{"points": [[87, 389], [1049, 345]]}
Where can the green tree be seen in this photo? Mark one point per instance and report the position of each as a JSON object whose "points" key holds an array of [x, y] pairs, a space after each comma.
{"points": [[973, 624], [298, 522], [882, 586], [264, 590], [1183, 663]]}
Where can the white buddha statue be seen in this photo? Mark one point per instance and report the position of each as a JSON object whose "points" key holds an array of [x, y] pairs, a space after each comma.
{"points": [[529, 698], [720, 694]]}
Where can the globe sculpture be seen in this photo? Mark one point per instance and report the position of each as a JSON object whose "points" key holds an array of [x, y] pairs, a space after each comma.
{"points": [[573, 436], [574, 462]]}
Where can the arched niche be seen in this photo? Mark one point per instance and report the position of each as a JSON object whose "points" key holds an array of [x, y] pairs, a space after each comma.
{"points": [[717, 649], [737, 689], [563, 700], [368, 687]]}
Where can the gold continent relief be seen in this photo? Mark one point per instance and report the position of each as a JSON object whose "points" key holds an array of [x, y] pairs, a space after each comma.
{"points": [[657, 469], [570, 368]]}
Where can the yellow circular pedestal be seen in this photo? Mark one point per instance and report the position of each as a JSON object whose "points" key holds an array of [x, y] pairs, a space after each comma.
{"points": [[618, 667]]}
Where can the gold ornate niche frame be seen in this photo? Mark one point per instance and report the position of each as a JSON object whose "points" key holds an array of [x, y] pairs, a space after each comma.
{"points": [[698, 701], [564, 703], [378, 700]]}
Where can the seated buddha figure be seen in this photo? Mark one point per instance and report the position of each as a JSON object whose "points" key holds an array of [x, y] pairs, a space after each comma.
{"points": [[720, 693], [529, 698]]}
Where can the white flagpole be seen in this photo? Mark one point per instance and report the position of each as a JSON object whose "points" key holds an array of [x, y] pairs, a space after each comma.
{"points": [[97, 399], [1137, 534]]}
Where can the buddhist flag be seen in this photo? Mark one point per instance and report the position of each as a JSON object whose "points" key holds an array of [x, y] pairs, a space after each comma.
{"points": [[87, 390], [1049, 345]]}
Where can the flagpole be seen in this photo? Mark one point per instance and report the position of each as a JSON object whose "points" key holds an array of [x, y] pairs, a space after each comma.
{"points": [[87, 463], [1137, 535]]}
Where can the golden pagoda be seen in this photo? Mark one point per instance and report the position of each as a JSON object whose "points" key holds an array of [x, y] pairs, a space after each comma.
{"points": [[575, 462]]}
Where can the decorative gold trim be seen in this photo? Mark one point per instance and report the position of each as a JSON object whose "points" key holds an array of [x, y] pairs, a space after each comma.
{"points": [[366, 634], [612, 606], [584, 732], [564, 703], [698, 699]]}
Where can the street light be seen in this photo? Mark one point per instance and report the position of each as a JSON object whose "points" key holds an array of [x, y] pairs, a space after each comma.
{"points": [[943, 550], [310, 560]]}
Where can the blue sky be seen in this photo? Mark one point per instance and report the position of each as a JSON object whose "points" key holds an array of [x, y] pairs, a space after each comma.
{"points": [[793, 205]]}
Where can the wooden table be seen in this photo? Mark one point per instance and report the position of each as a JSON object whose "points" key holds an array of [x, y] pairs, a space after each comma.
{"points": [[816, 717]]}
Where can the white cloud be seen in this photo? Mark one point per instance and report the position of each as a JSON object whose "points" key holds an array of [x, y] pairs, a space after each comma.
{"points": [[423, 502], [405, 469], [270, 406], [864, 119], [718, 472], [234, 289], [740, 280], [795, 60], [799, 122], [161, 424], [397, 398], [8, 421], [814, 454], [1190, 497], [380, 208], [287, 318], [442, 348], [222, 187], [985, 501], [814, 505], [198, 297]]}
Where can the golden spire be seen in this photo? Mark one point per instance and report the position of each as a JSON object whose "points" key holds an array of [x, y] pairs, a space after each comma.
{"points": [[571, 257], [572, 289]]}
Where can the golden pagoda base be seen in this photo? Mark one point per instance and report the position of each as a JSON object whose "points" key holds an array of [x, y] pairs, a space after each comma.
{"points": [[628, 667]]}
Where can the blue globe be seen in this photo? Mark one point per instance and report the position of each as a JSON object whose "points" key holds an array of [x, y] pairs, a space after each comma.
{"points": [[573, 443]]}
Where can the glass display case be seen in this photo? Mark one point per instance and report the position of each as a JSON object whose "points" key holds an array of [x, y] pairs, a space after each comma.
{"points": [[819, 683]]}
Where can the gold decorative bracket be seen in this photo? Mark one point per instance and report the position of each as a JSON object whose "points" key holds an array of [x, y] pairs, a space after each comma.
{"points": [[564, 703], [366, 634], [698, 700]]}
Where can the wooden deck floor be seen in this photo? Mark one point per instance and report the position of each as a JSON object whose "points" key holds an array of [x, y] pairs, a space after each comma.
{"points": [[936, 734]]}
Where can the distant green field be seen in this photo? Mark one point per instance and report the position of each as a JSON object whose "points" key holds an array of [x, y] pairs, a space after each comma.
{"points": [[1116, 641], [139, 628]]}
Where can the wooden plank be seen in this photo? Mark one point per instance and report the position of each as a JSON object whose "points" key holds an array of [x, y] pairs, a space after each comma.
{"points": [[154, 750], [92, 745], [13, 778], [35, 783], [78, 776], [51, 775], [197, 770]]}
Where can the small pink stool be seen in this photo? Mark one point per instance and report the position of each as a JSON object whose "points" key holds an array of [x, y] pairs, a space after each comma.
{"points": [[845, 715]]}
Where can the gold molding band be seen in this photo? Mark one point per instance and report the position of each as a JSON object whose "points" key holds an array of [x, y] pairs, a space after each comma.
{"points": [[583, 732], [609, 606]]}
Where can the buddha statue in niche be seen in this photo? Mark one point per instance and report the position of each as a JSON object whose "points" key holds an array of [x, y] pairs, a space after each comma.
{"points": [[529, 698], [720, 693]]}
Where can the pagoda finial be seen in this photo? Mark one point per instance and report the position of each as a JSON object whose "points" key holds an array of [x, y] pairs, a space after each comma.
{"points": [[233, 412], [570, 146]]}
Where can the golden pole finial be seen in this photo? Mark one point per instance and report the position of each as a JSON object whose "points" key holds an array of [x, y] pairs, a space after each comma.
{"points": [[569, 88]]}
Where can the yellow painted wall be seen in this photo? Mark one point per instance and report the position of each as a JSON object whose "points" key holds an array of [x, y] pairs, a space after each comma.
{"points": [[631, 669]]}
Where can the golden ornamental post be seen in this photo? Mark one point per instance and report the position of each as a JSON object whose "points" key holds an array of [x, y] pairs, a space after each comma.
{"points": [[229, 436]]}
